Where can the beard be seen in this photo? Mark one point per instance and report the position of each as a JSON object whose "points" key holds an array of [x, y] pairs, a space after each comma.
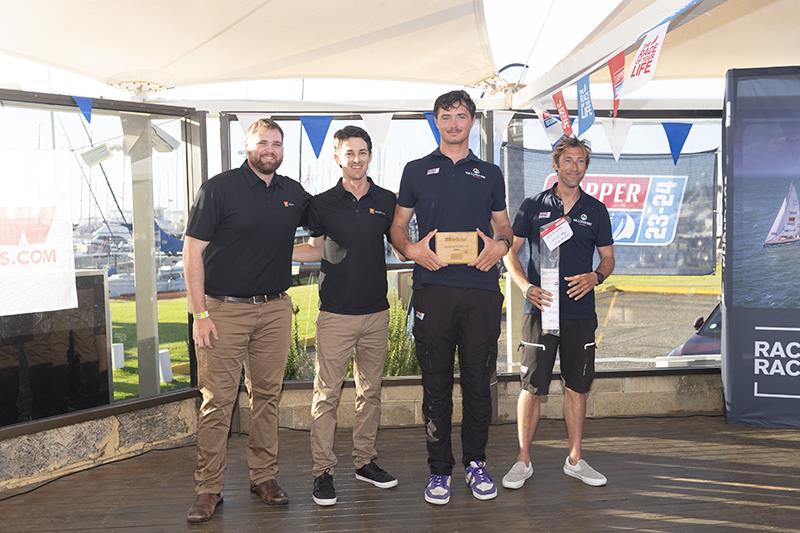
{"points": [[265, 167]]}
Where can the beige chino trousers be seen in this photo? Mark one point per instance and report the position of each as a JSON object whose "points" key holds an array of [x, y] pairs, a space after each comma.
{"points": [[338, 336]]}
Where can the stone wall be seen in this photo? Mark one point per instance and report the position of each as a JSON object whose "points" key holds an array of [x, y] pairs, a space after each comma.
{"points": [[37, 457]]}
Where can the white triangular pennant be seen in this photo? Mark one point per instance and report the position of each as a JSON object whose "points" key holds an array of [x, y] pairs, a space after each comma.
{"points": [[617, 131], [378, 127], [246, 120]]}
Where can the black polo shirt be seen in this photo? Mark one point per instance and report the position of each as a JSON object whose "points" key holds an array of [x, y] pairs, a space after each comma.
{"points": [[453, 197], [591, 227], [250, 230], [352, 280]]}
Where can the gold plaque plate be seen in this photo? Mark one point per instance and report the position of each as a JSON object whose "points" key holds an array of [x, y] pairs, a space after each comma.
{"points": [[457, 247]]}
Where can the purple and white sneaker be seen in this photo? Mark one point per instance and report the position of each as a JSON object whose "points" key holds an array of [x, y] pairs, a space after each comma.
{"points": [[480, 482], [437, 491]]}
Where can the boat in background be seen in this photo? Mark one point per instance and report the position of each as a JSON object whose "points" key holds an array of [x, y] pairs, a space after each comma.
{"points": [[786, 227]]}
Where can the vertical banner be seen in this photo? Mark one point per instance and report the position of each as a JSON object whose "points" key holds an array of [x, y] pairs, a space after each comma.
{"points": [[585, 107], [563, 113], [432, 123], [616, 68], [37, 266], [644, 62], [761, 294], [316, 127]]}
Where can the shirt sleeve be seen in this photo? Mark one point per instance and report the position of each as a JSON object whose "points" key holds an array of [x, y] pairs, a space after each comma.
{"points": [[604, 236], [498, 191], [390, 215], [315, 227], [205, 213], [408, 196], [522, 221], [305, 202]]}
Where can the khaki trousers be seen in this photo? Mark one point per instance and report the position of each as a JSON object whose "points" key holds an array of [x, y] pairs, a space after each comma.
{"points": [[337, 337], [254, 337]]}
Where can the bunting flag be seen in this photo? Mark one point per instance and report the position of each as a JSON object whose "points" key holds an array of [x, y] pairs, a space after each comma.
{"points": [[563, 113], [246, 120], [585, 107], [377, 126], [617, 131], [551, 125], [644, 62], [677, 132], [500, 122], [316, 127], [432, 123], [85, 105], [616, 67]]}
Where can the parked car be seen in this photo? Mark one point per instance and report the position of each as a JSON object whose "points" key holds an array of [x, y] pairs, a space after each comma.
{"points": [[707, 338]]}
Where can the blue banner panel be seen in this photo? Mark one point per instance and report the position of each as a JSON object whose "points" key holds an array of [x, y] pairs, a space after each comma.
{"points": [[761, 292], [662, 214]]}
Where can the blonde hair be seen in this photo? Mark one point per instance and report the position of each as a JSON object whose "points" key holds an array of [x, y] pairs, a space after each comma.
{"points": [[571, 142]]}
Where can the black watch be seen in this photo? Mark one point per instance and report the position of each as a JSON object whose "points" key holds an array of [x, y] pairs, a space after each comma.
{"points": [[600, 277], [508, 244]]}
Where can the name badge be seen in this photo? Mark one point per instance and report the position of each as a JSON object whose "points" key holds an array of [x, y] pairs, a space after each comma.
{"points": [[555, 233], [433, 171]]}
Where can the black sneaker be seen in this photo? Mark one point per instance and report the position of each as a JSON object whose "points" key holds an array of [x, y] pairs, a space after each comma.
{"points": [[372, 473], [324, 491]]}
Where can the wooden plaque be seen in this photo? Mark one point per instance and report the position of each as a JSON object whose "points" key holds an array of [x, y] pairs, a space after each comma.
{"points": [[457, 247]]}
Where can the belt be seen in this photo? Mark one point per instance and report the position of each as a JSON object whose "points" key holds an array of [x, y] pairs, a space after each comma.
{"points": [[257, 299]]}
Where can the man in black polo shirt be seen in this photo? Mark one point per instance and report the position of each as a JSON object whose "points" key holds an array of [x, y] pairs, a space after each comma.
{"points": [[347, 225], [591, 229], [237, 257], [456, 305]]}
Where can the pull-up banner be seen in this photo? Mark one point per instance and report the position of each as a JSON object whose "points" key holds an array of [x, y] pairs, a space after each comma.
{"points": [[662, 214], [761, 292]]}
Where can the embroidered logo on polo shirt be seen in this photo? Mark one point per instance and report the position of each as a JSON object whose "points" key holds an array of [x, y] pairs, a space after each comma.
{"points": [[433, 171], [373, 211], [287, 203], [475, 173], [543, 214], [583, 220], [419, 314]]}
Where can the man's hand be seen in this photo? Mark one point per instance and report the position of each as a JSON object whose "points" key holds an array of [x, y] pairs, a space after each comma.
{"points": [[202, 331], [421, 253], [580, 285], [493, 251], [539, 297]]}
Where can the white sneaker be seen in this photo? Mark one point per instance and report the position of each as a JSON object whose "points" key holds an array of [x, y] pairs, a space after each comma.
{"points": [[585, 473], [517, 476]]}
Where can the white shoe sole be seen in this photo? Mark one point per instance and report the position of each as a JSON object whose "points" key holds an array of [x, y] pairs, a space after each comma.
{"points": [[437, 501], [484, 497], [517, 484], [588, 481], [384, 485], [324, 502]]}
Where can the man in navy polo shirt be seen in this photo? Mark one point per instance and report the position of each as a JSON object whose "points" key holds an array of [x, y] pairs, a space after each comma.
{"points": [[456, 305], [347, 225], [591, 227]]}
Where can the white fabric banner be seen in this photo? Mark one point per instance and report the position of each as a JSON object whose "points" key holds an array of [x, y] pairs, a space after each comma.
{"points": [[37, 266], [247, 119], [644, 63], [377, 125], [617, 131]]}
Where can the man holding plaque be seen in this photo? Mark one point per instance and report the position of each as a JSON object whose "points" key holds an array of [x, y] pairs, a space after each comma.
{"points": [[583, 225], [460, 205]]}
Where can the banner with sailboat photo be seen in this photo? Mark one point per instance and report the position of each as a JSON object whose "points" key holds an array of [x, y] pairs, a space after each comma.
{"points": [[761, 291], [662, 213]]}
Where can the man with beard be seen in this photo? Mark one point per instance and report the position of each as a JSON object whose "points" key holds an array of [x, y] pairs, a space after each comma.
{"points": [[456, 305], [237, 257], [347, 225]]}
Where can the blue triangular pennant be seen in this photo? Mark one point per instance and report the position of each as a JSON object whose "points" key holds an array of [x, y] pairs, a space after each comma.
{"points": [[434, 129], [585, 107], [676, 137], [316, 127], [85, 105]]}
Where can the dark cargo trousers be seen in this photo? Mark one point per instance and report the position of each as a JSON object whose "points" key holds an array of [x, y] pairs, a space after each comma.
{"points": [[447, 319]]}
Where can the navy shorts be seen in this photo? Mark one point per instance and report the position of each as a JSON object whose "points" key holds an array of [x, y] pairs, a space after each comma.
{"points": [[575, 346]]}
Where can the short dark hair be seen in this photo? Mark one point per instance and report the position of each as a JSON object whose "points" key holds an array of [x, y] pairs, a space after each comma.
{"points": [[263, 124], [348, 132], [567, 141], [454, 99]]}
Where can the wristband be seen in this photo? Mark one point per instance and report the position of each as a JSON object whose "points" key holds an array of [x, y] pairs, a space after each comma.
{"points": [[200, 316], [525, 292]]}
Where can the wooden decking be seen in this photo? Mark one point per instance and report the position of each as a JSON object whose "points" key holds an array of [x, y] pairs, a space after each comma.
{"points": [[676, 474]]}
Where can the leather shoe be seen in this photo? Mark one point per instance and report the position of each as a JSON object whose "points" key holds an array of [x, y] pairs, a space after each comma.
{"points": [[270, 492], [203, 507]]}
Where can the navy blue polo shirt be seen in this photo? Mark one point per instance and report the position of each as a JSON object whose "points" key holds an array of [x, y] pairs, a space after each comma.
{"points": [[591, 227], [352, 280], [453, 197], [250, 230]]}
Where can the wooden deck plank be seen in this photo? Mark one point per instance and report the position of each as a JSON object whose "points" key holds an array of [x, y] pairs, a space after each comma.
{"points": [[676, 474]]}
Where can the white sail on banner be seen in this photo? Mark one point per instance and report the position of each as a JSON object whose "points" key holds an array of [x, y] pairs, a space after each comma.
{"points": [[786, 227]]}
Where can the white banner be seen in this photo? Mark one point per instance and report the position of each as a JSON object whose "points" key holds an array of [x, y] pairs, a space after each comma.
{"points": [[617, 130], [37, 267], [644, 62]]}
